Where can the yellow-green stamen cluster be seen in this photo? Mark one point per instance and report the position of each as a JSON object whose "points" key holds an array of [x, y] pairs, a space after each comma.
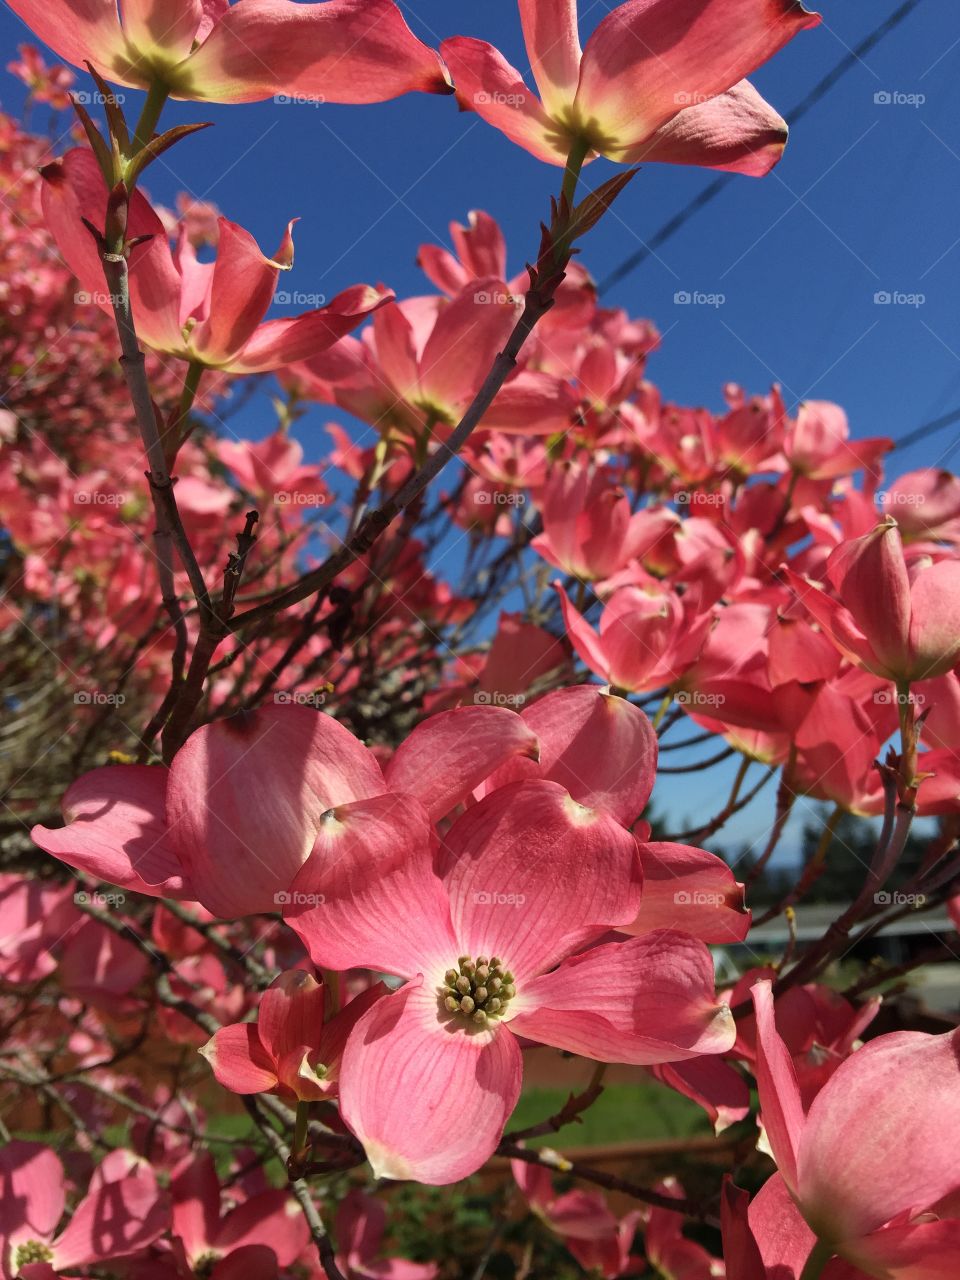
{"points": [[478, 990], [31, 1251]]}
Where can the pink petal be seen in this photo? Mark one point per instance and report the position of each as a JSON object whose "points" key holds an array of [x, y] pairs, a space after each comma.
{"points": [[369, 897], [712, 1083], [553, 47], [427, 1103], [31, 1180], [781, 1108], [738, 131], [116, 830], [650, 58], [691, 891], [239, 1061], [271, 1219], [643, 1001], [870, 577], [360, 1223], [196, 1202], [246, 796], [531, 874], [583, 637], [469, 332], [258, 1260], [601, 748], [740, 1251], [241, 290], [927, 1251], [784, 1239], [935, 620], [532, 403], [114, 1220], [339, 51], [167, 25], [449, 754], [908, 1083], [290, 1013], [277, 343], [77, 30], [336, 1032], [73, 189], [488, 84]]}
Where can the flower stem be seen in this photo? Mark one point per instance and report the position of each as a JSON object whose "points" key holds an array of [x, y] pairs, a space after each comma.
{"points": [[150, 115], [819, 1257], [300, 1128], [571, 174]]}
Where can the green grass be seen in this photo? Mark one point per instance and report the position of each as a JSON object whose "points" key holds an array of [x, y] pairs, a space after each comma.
{"points": [[623, 1113]]}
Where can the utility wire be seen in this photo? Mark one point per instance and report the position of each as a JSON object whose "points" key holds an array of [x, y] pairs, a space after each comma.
{"points": [[710, 192]]}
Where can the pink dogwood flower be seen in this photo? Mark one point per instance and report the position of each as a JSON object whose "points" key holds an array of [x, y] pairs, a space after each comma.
{"points": [[339, 51], [598, 1240], [209, 313], [359, 1227], [900, 1095], [250, 1239], [289, 1050], [658, 80], [490, 933], [232, 820], [898, 620], [123, 1211]]}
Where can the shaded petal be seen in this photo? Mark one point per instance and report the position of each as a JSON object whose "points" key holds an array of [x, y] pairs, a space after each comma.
{"points": [[784, 1239], [712, 1083], [241, 290], [196, 1202], [488, 84], [31, 1179], [291, 1013], [166, 26], [77, 30], [553, 46], [448, 755], [73, 189], [369, 897], [339, 51], [691, 891], [277, 343], [648, 59], [781, 1107], [531, 874], [116, 830], [738, 131], [643, 1001], [116, 1219], [239, 1061], [270, 1219], [927, 1251], [428, 1099], [935, 620], [246, 795], [532, 403], [469, 332], [251, 1260], [906, 1083]]}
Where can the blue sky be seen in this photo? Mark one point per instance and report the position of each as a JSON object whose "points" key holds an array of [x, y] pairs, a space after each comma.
{"points": [[864, 203]]}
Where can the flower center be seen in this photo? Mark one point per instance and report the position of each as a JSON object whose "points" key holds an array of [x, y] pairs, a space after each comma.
{"points": [[478, 990], [31, 1251]]}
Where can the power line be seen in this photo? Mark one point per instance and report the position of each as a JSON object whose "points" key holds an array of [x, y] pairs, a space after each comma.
{"points": [[946, 420], [710, 192]]}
